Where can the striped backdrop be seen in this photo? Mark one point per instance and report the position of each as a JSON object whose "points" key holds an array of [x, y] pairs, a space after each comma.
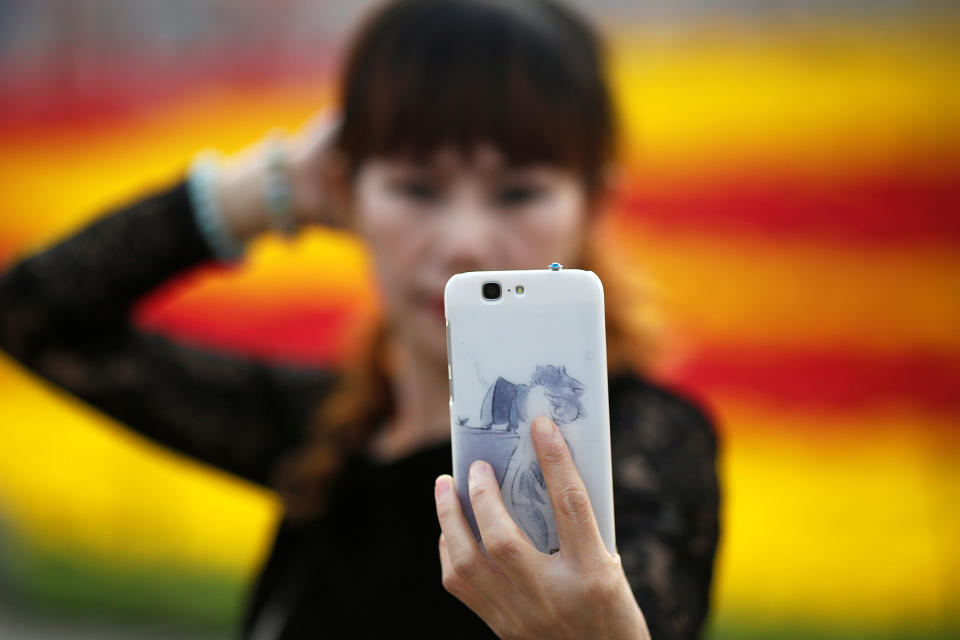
{"points": [[792, 192]]}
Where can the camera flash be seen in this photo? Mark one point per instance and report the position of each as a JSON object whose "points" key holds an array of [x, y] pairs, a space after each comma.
{"points": [[519, 289]]}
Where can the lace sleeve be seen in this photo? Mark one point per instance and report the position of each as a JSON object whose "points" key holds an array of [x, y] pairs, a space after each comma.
{"points": [[667, 499], [65, 314]]}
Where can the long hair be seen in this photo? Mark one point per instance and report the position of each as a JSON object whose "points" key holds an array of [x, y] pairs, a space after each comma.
{"points": [[527, 77]]}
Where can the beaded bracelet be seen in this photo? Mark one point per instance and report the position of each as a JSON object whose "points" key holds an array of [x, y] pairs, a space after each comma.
{"points": [[278, 194], [201, 187]]}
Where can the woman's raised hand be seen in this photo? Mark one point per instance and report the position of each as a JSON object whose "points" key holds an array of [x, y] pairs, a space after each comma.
{"points": [[317, 173], [313, 172], [578, 592]]}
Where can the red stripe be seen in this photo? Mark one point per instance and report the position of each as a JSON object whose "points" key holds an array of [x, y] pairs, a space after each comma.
{"points": [[828, 379], [43, 96], [908, 206], [7, 251], [309, 336]]}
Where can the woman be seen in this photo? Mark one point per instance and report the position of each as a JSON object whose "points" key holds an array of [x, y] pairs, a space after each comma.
{"points": [[473, 135]]}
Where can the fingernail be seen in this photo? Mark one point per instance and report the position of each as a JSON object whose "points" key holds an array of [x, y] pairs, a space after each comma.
{"points": [[442, 487], [543, 427], [478, 468]]}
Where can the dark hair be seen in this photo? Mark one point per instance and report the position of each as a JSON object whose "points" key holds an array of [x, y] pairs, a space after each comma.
{"points": [[527, 77], [524, 76]]}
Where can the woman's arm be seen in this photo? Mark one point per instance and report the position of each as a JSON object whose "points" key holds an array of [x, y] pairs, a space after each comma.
{"points": [[666, 498], [65, 314]]}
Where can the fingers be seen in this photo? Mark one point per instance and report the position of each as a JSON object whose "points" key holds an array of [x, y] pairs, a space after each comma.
{"points": [[576, 526], [467, 561], [460, 588], [320, 128], [312, 141], [504, 542], [317, 173]]}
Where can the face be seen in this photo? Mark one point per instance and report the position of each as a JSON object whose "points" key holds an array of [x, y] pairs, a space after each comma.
{"points": [[425, 222]]}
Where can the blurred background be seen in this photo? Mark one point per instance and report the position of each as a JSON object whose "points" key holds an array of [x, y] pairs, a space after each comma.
{"points": [[792, 192]]}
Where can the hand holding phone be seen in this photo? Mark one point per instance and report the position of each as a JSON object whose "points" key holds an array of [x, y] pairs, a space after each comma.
{"points": [[580, 592]]}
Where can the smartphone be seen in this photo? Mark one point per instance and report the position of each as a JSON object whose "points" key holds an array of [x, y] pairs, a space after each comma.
{"points": [[523, 344]]}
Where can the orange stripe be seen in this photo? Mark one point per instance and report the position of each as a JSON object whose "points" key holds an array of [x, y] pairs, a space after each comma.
{"points": [[886, 300]]}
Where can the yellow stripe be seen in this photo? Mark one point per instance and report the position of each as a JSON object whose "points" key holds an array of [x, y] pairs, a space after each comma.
{"points": [[70, 479], [825, 519], [318, 270], [830, 99]]}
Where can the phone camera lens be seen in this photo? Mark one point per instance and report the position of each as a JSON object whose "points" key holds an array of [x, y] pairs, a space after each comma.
{"points": [[491, 291]]}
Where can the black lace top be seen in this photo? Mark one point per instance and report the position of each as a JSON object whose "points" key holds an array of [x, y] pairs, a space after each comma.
{"points": [[369, 566]]}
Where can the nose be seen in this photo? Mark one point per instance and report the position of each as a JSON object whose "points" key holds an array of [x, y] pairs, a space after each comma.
{"points": [[466, 237]]}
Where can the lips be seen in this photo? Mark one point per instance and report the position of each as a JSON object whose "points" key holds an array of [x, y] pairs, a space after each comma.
{"points": [[430, 300]]}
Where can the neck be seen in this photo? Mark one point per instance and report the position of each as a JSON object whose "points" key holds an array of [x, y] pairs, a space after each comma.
{"points": [[422, 418]]}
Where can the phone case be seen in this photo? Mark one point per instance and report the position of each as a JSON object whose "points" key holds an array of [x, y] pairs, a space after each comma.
{"points": [[537, 351]]}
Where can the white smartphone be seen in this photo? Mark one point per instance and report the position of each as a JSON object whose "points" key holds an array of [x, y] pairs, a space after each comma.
{"points": [[521, 344]]}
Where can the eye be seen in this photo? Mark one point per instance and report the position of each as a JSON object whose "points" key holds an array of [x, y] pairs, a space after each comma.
{"points": [[421, 190], [518, 194]]}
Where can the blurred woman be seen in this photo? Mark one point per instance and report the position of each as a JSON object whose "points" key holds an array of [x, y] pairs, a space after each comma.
{"points": [[471, 135]]}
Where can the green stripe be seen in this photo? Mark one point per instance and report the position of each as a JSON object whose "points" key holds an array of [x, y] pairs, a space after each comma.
{"points": [[69, 586], [64, 584], [727, 627]]}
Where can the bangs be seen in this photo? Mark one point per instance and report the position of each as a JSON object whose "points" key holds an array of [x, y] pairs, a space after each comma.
{"points": [[524, 77]]}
